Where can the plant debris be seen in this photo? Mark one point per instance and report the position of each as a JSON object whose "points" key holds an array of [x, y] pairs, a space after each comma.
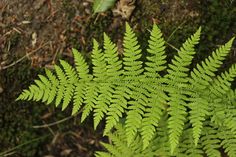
{"points": [[124, 8]]}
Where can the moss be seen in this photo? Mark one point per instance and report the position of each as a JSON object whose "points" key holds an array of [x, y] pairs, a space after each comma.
{"points": [[69, 9], [16, 117]]}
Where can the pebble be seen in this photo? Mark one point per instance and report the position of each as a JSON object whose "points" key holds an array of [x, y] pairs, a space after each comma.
{"points": [[1, 89]]}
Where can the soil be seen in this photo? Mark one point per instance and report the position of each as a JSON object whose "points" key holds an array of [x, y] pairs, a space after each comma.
{"points": [[37, 33]]}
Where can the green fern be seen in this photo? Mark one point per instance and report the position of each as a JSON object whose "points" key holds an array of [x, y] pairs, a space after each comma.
{"points": [[228, 141], [177, 81], [120, 146], [168, 109]]}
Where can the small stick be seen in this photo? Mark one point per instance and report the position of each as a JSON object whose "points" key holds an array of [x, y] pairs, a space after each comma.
{"points": [[12, 150], [52, 124], [175, 30], [22, 58], [172, 46]]}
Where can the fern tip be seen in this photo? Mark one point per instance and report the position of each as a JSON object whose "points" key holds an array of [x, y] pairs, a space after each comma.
{"points": [[105, 35], [199, 29], [232, 39], [127, 26], [74, 50], [95, 41], [17, 99], [73, 113]]}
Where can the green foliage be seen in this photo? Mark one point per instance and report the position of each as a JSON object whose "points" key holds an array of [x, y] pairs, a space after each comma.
{"points": [[168, 109], [102, 5]]}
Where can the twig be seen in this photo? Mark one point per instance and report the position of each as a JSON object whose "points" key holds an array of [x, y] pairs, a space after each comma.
{"points": [[22, 58], [11, 151], [9, 154], [175, 31], [17, 30], [50, 130], [97, 16], [51, 124], [172, 46]]}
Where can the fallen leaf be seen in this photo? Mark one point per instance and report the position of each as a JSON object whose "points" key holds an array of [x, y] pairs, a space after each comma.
{"points": [[124, 8], [66, 152], [102, 5], [1, 89]]}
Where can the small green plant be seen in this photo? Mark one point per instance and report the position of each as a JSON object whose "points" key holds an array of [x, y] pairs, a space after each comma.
{"points": [[157, 108]]}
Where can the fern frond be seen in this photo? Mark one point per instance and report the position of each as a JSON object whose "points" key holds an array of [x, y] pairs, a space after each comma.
{"points": [[134, 120], [103, 102], [119, 138], [230, 119], [177, 79], [132, 67], [228, 141], [82, 70], [160, 141], [99, 64], [34, 92], [199, 110], [179, 66], [171, 115], [39, 94], [46, 83], [202, 75], [137, 107], [24, 95], [152, 118], [114, 65], [78, 98], [119, 146], [113, 68], [176, 121], [187, 147], [81, 66], [39, 91], [223, 112], [69, 91], [132, 54], [221, 85], [102, 154], [71, 76], [210, 141], [100, 74], [112, 150], [117, 107], [157, 60], [54, 85], [91, 92], [62, 82]]}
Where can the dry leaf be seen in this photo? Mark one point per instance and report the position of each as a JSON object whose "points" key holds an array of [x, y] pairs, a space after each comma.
{"points": [[124, 8], [66, 152], [1, 89]]}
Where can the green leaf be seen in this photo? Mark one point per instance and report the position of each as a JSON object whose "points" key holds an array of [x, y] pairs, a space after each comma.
{"points": [[102, 5]]}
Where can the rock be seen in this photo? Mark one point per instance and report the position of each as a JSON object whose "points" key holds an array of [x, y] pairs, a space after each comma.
{"points": [[1, 89]]}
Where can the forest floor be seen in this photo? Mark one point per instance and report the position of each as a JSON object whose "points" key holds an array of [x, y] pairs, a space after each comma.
{"points": [[37, 33]]}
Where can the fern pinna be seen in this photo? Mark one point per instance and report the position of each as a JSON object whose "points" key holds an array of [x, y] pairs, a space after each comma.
{"points": [[168, 109]]}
